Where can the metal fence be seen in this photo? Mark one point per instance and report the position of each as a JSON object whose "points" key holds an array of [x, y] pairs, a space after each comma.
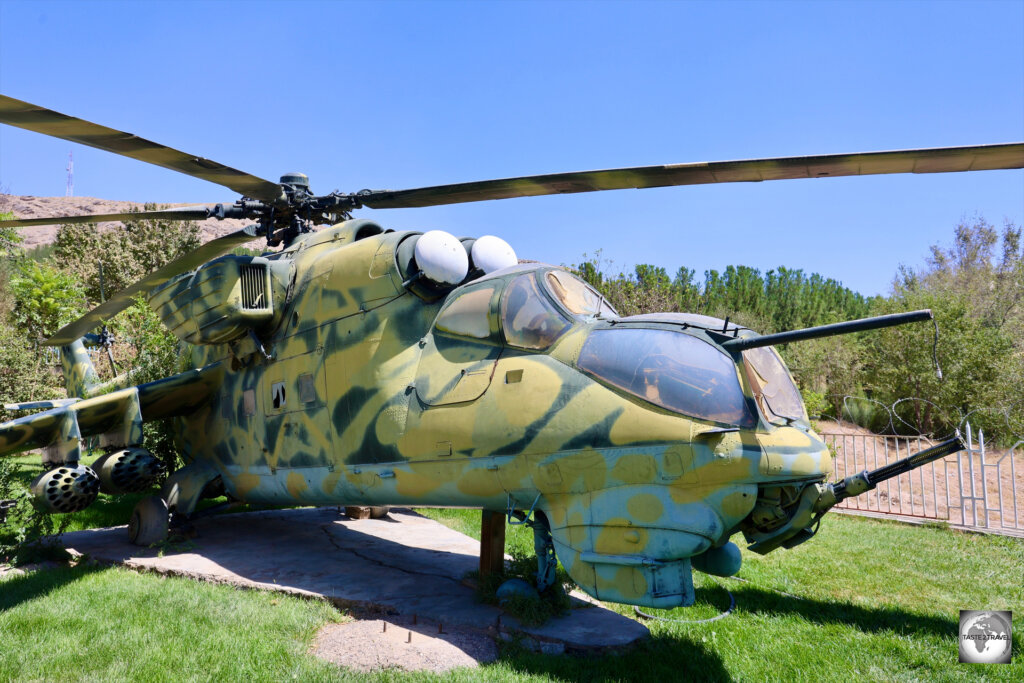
{"points": [[978, 488]]}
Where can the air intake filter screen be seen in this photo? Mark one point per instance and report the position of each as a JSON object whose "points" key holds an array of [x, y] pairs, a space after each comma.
{"points": [[254, 288]]}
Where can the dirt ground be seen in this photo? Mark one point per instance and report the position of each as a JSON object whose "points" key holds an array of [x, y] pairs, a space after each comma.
{"points": [[958, 489], [397, 643]]}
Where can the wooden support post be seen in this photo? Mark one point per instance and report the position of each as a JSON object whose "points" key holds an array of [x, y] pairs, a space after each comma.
{"points": [[492, 543], [357, 511]]}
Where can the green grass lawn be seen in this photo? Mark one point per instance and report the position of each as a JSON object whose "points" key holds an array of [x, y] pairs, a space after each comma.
{"points": [[874, 600], [877, 600]]}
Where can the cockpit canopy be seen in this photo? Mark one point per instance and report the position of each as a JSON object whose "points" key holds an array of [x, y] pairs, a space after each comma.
{"points": [[530, 310], [531, 307], [670, 369], [577, 296], [776, 395]]}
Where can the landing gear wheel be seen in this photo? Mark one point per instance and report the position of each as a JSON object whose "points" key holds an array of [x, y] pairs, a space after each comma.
{"points": [[148, 524], [379, 511]]}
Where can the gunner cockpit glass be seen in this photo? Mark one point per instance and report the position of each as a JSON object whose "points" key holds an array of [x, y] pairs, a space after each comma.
{"points": [[774, 391], [529, 320], [578, 297], [470, 314], [670, 369]]}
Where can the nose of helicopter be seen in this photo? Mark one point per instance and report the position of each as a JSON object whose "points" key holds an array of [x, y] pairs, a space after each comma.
{"points": [[794, 452]]}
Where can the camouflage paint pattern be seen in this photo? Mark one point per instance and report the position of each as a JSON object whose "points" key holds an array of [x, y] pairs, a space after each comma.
{"points": [[936, 160], [48, 122], [79, 374], [215, 303], [358, 401]]}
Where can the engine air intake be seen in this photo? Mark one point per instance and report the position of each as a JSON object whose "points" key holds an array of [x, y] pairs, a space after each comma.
{"points": [[254, 288], [222, 300]]}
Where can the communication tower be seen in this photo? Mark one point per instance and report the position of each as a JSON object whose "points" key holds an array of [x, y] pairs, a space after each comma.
{"points": [[70, 189]]}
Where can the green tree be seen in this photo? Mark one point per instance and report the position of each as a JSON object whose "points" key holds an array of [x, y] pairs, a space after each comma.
{"points": [[126, 255], [24, 374], [10, 240], [898, 364], [975, 289], [145, 350], [45, 299]]}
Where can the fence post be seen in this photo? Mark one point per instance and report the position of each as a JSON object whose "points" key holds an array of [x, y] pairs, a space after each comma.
{"points": [[984, 479], [1013, 484], [970, 470]]}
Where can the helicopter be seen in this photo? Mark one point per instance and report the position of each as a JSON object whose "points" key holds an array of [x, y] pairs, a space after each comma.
{"points": [[358, 365]]}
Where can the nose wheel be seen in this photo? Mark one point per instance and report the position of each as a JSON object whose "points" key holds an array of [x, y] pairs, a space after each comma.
{"points": [[149, 521], [545, 549], [543, 545]]}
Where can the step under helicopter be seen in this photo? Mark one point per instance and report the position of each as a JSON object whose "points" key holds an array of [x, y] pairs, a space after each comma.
{"points": [[358, 365]]}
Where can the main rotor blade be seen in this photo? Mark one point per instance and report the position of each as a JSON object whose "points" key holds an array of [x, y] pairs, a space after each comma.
{"points": [[48, 122], [936, 160], [184, 213], [124, 298]]}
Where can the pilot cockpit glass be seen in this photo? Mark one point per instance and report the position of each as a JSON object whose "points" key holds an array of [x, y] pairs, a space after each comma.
{"points": [[670, 369], [577, 296], [776, 395], [529, 320], [469, 315]]}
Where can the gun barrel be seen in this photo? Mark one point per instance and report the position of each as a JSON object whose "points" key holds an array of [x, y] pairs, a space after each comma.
{"points": [[865, 481], [874, 323]]}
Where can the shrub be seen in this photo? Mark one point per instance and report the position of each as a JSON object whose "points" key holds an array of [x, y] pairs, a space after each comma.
{"points": [[26, 534], [24, 374]]}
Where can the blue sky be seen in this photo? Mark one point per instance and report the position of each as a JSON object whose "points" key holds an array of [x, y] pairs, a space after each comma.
{"points": [[406, 94]]}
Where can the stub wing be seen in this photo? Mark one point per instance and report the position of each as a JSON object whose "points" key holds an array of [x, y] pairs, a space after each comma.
{"points": [[117, 416]]}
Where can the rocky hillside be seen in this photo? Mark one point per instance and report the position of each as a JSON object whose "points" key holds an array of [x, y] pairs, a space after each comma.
{"points": [[36, 207]]}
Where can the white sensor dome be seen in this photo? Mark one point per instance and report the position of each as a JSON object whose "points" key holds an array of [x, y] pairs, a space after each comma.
{"points": [[441, 258], [492, 253]]}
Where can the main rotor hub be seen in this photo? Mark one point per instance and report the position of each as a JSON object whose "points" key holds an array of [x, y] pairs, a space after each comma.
{"points": [[296, 180]]}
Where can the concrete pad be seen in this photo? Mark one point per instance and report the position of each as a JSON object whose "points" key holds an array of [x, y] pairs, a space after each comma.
{"points": [[404, 564]]}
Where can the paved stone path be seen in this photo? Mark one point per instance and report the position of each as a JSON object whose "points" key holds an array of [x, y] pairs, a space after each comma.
{"points": [[404, 565]]}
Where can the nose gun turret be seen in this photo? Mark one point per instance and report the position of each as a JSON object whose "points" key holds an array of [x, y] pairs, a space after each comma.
{"points": [[814, 500]]}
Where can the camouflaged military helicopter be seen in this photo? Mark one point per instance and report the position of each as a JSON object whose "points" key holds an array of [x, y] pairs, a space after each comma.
{"points": [[358, 365]]}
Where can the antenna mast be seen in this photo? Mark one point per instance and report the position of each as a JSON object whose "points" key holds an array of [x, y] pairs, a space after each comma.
{"points": [[70, 189]]}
